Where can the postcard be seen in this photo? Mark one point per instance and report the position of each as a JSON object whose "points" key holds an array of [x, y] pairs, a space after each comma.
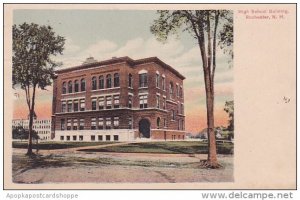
{"points": [[150, 96]]}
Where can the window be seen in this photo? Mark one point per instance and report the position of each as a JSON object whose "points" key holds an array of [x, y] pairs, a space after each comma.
{"points": [[62, 124], [178, 108], [76, 88], [61, 137], [75, 105], [93, 123], [130, 80], [81, 124], [69, 124], [82, 85], [70, 87], [108, 81], [143, 80], [143, 101], [101, 103], [100, 138], [93, 138], [164, 103], [165, 123], [129, 101], [116, 80], [157, 101], [163, 82], [158, 122], [63, 106], [80, 137], [108, 102], [157, 80], [107, 137], [74, 137], [178, 124], [101, 82], [64, 88], [100, 123], [116, 122], [116, 138], [182, 108], [173, 114], [69, 106], [177, 90], [94, 103], [116, 101], [94, 83], [108, 123], [171, 88], [130, 122], [180, 92], [75, 124], [82, 104]]}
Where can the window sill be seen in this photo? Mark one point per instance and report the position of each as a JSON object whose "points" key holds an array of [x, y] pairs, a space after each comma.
{"points": [[140, 88]]}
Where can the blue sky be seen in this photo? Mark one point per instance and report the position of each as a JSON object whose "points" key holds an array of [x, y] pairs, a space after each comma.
{"points": [[107, 33]]}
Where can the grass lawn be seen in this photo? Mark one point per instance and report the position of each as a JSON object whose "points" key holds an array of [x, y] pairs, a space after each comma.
{"points": [[178, 147], [57, 145]]}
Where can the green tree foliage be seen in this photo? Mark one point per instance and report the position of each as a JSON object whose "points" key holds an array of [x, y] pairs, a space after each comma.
{"points": [[34, 46], [23, 134], [209, 28], [229, 108]]}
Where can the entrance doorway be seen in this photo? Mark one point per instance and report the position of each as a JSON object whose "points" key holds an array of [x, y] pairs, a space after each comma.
{"points": [[144, 128]]}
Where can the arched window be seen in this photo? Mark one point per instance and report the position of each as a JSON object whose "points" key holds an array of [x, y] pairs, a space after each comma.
{"points": [[94, 83], [171, 88], [130, 80], [101, 82], [64, 88], [82, 85], [70, 87], [143, 82], [158, 122], [108, 81], [76, 89], [116, 80]]}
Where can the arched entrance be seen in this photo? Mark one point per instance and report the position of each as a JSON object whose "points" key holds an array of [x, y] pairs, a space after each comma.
{"points": [[144, 128]]}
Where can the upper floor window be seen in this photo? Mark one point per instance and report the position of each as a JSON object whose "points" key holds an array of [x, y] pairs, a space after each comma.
{"points": [[157, 80], [163, 82], [164, 103], [64, 88], [62, 124], [177, 90], [100, 123], [116, 101], [69, 123], [173, 114], [171, 88], [130, 80], [116, 122], [81, 124], [93, 123], [82, 104], [181, 92], [108, 81], [82, 85], [70, 87], [129, 101], [143, 101], [116, 80], [157, 101], [108, 102], [75, 105], [101, 103], [94, 83], [76, 88], [108, 123], [75, 124], [143, 82], [130, 122], [69, 106], [94, 103], [101, 82], [63, 106]]}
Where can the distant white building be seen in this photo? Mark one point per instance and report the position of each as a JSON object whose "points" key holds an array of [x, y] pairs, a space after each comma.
{"points": [[41, 126]]}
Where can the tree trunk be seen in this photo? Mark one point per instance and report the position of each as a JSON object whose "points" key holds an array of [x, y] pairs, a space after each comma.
{"points": [[31, 112]]}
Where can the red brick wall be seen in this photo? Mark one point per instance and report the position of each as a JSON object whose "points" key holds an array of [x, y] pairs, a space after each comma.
{"points": [[123, 69]]}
